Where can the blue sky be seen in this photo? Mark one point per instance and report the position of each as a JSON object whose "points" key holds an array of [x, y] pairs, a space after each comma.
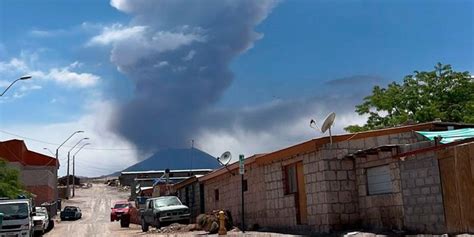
{"points": [[305, 44]]}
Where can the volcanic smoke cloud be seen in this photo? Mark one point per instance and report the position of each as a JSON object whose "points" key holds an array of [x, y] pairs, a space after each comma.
{"points": [[177, 53]]}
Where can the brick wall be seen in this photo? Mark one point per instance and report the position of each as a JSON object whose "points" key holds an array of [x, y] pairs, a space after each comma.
{"points": [[422, 194], [43, 193]]}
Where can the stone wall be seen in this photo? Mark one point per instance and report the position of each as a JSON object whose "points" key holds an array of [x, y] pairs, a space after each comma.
{"points": [[380, 211], [279, 206], [422, 194], [193, 200], [331, 192], [229, 187]]}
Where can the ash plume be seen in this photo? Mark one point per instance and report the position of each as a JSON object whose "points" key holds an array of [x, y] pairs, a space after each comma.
{"points": [[177, 54]]}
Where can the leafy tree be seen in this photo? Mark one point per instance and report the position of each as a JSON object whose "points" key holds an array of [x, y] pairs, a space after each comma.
{"points": [[423, 97], [10, 185]]}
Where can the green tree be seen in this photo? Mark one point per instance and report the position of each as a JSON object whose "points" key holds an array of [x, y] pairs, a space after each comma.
{"points": [[423, 97], [10, 185]]}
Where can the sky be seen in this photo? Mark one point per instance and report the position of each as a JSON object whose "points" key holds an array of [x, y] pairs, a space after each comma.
{"points": [[245, 76]]}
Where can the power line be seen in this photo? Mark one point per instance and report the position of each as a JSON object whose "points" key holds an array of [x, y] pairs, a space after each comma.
{"points": [[57, 144]]}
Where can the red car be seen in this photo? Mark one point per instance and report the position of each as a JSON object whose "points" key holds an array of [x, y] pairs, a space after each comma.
{"points": [[121, 211]]}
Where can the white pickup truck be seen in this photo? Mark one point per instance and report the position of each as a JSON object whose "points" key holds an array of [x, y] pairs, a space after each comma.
{"points": [[17, 218]]}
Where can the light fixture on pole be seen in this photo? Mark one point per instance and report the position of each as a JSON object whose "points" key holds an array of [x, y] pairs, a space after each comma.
{"points": [[68, 158], [11, 84], [57, 154], [45, 148], [74, 169]]}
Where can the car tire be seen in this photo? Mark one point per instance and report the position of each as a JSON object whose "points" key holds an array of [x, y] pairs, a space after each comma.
{"points": [[125, 222], [144, 225]]}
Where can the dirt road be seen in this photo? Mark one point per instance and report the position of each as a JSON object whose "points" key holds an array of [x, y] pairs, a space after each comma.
{"points": [[95, 204]]}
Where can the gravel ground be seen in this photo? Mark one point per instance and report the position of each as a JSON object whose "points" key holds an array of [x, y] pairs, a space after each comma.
{"points": [[95, 204]]}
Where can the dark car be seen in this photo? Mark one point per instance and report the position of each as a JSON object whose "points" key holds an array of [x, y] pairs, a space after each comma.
{"points": [[71, 213]]}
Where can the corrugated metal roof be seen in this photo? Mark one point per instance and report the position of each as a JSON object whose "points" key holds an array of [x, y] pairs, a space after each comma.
{"points": [[450, 135]]}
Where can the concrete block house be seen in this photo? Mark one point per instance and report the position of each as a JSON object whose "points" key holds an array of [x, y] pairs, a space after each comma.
{"points": [[388, 179]]}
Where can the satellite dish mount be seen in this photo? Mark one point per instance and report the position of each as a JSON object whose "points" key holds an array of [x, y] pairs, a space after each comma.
{"points": [[327, 124]]}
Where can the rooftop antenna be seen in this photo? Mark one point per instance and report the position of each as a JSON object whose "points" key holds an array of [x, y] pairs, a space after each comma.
{"points": [[327, 124]]}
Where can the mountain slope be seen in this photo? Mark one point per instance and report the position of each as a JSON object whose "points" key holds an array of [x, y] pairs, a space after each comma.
{"points": [[176, 159]]}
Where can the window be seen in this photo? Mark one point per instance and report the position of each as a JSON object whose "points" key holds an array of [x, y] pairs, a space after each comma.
{"points": [[289, 179], [244, 185], [379, 180], [216, 194]]}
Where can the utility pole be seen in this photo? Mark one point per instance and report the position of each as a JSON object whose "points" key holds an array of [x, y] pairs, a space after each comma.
{"points": [[242, 171], [192, 150], [68, 158], [73, 175], [67, 184], [57, 153]]}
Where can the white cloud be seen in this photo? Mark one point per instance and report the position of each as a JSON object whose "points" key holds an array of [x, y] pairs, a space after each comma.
{"points": [[90, 162], [14, 64], [189, 56], [248, 142], [66, 76], [135, 42], [117, 33], [161, 64]]}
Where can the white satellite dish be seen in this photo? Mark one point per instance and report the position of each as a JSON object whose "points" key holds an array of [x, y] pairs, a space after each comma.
{"points": [[327, 124], [225, 158]]}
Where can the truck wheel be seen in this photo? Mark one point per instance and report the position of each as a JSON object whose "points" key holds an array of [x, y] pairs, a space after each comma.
{"points": [[157, 224], [144, 226], [50, 226], [125, 222]]}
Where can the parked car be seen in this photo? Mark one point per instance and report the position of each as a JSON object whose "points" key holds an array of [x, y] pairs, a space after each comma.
{"points": [[161, 210], [41, 221], [71, 213], [120, 212]]}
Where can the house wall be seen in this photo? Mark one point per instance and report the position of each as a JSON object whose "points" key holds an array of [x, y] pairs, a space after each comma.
{"points": [[280, 207], [193, 201], [335, 187], [422, 194], [229, 187], [330, 189], [43, 193], [379, 211]]}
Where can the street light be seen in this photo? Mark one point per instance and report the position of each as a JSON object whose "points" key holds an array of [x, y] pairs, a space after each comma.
{"points": [[11, 84], [45, 148], [57, 151], [74, 168], [68, 158]]}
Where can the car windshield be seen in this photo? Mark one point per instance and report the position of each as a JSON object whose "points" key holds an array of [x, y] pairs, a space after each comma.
{"points": [[14, 211], [121, 205], [168, 201], [69, 209]]}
